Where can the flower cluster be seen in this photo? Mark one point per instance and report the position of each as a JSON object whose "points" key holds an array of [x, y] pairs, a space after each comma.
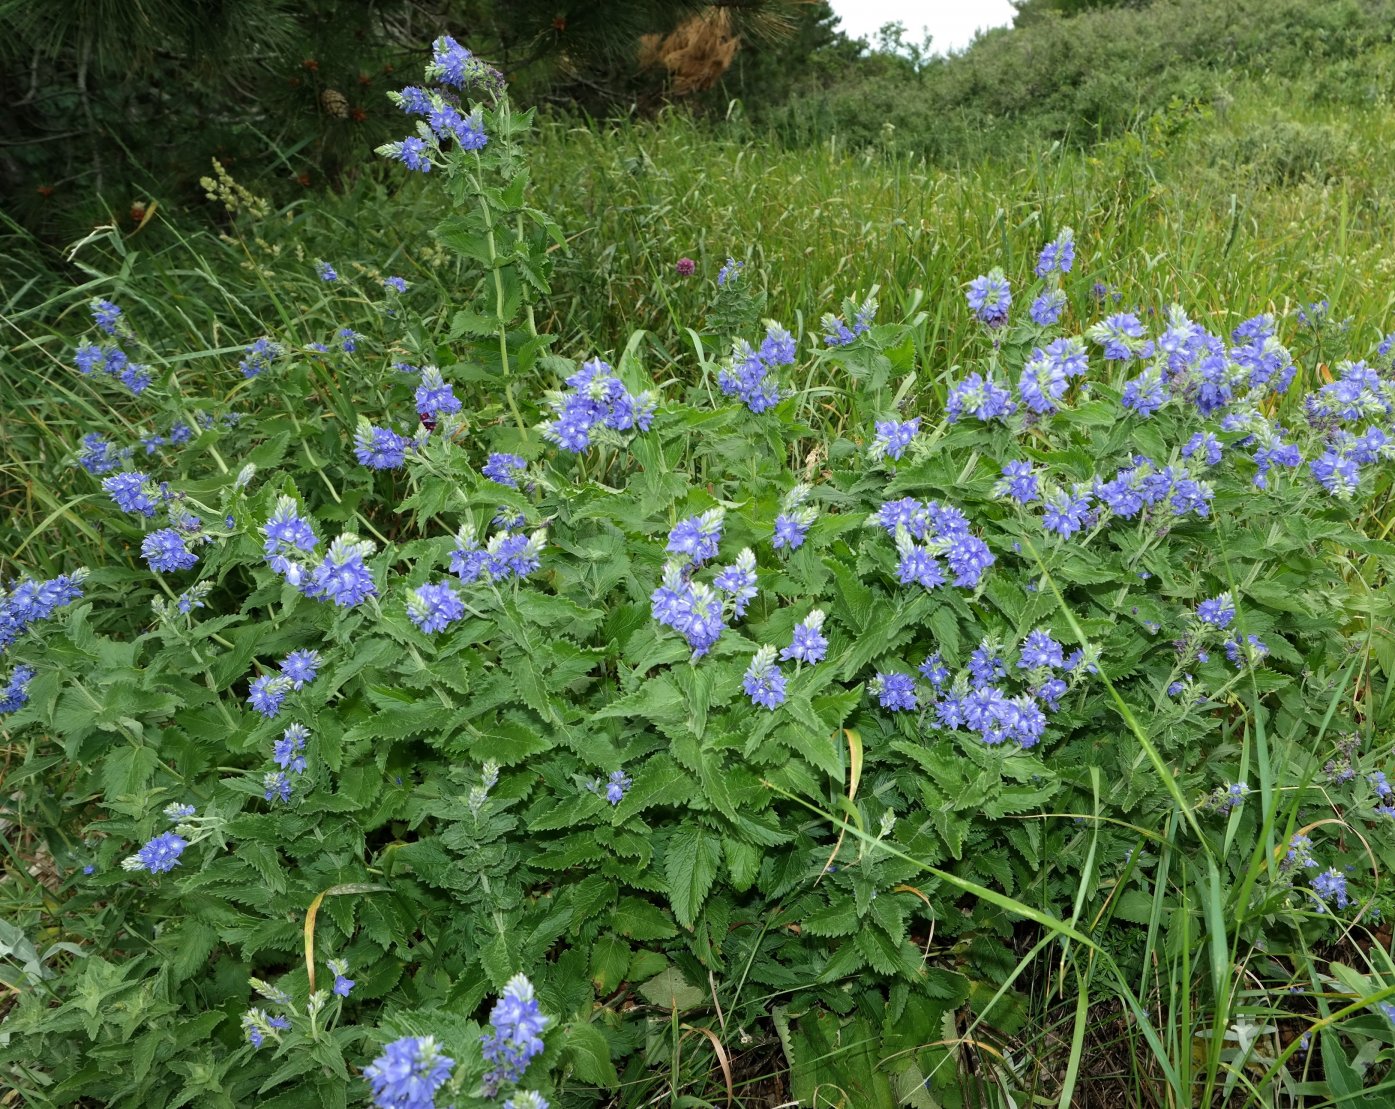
{"points": [[1058, 254], [507, 554], [892, 438], [132, 491], [110, 359], [836, 333], [749, 373], [456, 68], [161, 854], [380, 448], [28, 602], [504, 468], [259, 357], [514, 1035], [267, 692], [795, 518], [925, 532], [14, 695], [763, 682], [99, 456], [408, 1073], [597, 398], [990, 298], [738, 581], [433, 607], [808, 643]]}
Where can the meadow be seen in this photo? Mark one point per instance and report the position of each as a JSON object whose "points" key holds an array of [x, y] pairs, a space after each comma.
{"points": [[1027, 745]]}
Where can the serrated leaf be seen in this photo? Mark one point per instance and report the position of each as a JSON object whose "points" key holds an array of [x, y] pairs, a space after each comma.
{"points": [[691, 857]]}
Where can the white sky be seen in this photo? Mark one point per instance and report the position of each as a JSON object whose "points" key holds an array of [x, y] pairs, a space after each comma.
{"points": [[951, 23]]}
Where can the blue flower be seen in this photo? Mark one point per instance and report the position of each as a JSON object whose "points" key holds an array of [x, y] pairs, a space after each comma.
{"points": [[504, 468], [836, 333], [984, 664], [894, 691], [1047, 373], [982, 398], [276, 786], [1019, 481], [1065, 512], [934, 670], [287, 751], [301, 667], [1038, 650], [750, 373], [1046, 309], [763, 682], [379, 448], [160, 855], [105, 315], [342, 577], [893, 438], [15, 693], [342, 983], [408, 1073], [789, 532], [990, 298], [792, 524], [697, 537], [453, 65], [348, 340], [98, 456], [1339, 474], [165, 550], [132, 492], [434, 607], [1218, 611], [689, 607], [287, 534], [395, 284], [28, 602], [261, 355], [597, 398], [1205, 444], [730, 271], [917, 565], [434, 396], [808, 644], [326, 271], [738, 581], [514, 1035], [616, 786], [266, 693], [1057, 255], [1331, 885], [1121, 336], [175, 812]]}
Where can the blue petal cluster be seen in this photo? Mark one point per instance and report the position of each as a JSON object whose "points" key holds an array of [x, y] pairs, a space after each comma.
{"points": [[408, 1073], [597, 399], [514, 1035], [750, 373]]}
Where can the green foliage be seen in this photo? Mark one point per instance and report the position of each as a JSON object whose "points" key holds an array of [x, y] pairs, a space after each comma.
{"points": [[881, 900]]}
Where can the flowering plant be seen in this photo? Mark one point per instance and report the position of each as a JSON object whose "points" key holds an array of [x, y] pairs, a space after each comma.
{"points": [[555, 731]]}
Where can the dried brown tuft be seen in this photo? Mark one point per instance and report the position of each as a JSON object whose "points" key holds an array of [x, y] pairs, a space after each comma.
{"points": [[696, 53]]}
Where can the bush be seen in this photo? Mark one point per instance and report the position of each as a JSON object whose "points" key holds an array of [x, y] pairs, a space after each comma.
{"points": [[815, 718]]}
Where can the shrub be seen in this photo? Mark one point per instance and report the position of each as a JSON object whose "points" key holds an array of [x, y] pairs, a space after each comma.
{"points": [[768, 700]]}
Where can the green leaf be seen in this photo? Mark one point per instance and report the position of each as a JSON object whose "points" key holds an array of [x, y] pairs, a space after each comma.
{"points": [[589, 1053], [610, 956], [690, 865]]}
